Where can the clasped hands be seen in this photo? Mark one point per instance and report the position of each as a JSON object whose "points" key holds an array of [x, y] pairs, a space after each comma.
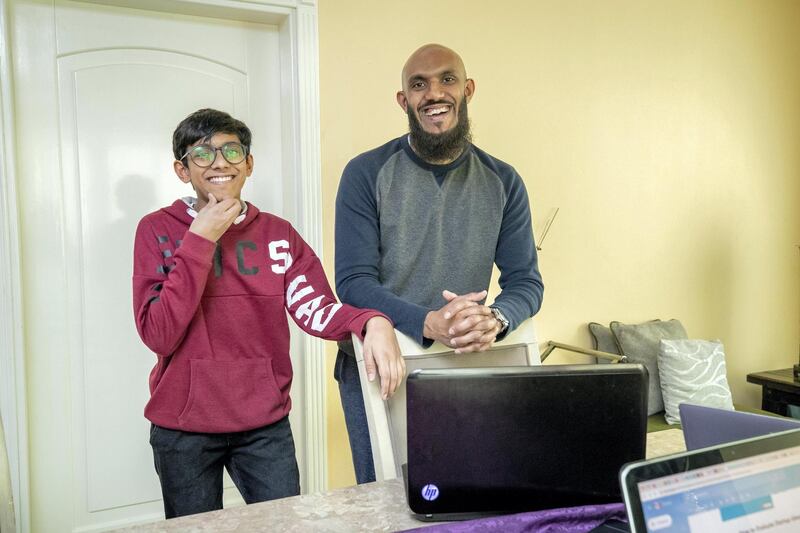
{"points": [[463, 323]]}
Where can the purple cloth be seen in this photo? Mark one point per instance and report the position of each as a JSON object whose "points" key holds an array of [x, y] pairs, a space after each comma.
{"points": [[568, 519]]}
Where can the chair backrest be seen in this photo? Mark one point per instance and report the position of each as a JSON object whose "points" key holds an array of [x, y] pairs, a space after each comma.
{"points": [[387, 419]]}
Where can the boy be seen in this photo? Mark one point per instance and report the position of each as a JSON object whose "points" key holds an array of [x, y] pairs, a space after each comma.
{"points": [[213, 279]]}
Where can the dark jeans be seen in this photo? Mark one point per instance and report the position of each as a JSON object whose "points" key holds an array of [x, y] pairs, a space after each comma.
{"points": [[355, 417], [260, 461]]}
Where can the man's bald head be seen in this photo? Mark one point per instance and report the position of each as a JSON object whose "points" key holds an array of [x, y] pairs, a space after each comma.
{"points": [[430, 58]]}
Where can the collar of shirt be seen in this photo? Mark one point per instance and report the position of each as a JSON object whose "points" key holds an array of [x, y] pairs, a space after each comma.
{"points": [[191, 202]]}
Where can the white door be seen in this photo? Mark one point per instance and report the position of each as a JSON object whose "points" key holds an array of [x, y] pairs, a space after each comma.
{"points": [[98, 92]]}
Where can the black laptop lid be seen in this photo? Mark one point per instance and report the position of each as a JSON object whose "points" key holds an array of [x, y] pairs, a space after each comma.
{"points": [[492, 440]]}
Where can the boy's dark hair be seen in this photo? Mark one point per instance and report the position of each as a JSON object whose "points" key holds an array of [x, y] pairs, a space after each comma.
{"points": [[204, 124]]}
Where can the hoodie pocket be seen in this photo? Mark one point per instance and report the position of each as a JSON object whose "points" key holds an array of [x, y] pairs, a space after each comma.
{"points": [[226, 396]]}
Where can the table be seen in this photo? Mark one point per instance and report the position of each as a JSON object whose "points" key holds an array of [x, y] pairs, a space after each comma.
{"points": [[379, 506], [778, 389]]}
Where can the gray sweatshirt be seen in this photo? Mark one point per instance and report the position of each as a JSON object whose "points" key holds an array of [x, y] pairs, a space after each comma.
{"points": [[407, 229]]}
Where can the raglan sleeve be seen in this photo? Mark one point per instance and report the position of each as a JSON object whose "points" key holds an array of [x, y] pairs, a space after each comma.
{"points": [[311, 302], [521, 287], [358, 245], [168, 283]]}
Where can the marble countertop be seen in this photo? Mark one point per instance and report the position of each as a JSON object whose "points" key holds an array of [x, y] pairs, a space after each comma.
{"points": [[377, 506]]}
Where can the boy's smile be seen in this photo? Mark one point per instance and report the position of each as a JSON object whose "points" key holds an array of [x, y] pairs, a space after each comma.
{"points": [[222, 179]]}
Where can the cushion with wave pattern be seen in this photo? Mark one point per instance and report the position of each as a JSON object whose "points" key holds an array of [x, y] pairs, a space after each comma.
{"points": [[692, 371]]}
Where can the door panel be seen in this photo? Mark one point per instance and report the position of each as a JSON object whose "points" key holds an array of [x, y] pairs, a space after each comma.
{"points": [[114, 170]]}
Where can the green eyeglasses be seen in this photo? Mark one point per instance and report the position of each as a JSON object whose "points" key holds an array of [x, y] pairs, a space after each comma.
{"points": [[203, 155]]}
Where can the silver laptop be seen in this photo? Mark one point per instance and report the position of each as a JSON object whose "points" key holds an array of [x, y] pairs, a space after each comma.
{"points": [[496, 440], [748, 485], [708, 426]]}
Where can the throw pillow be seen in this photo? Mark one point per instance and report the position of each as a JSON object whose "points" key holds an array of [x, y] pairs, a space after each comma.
{"points": [[693, 371], [640, 343], [603, 340]]}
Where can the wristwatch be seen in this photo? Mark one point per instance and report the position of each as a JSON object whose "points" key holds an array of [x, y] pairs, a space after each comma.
{"points": [[500, 317]]}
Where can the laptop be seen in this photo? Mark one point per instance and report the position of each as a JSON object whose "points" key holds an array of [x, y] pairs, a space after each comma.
{"points": [[485, 441], [708, 426], [747, 485]]}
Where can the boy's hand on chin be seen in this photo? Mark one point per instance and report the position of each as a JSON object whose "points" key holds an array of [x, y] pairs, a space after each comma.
{"points": [[215, 217]]}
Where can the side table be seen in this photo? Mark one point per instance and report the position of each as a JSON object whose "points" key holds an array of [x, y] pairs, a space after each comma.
{"points": [[778, 389]]}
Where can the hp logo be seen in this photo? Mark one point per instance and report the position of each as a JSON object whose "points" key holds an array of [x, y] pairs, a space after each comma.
{"points": [[430, 492]]}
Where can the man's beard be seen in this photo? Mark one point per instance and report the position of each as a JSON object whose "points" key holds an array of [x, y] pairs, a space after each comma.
{"points": [[445, 146]]}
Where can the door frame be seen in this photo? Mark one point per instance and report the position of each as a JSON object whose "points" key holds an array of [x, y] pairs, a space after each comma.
{"points": [[12, 356], [298, 36]]}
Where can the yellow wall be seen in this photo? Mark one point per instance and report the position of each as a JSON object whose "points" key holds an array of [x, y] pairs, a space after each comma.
{"points": [[667, 133]]}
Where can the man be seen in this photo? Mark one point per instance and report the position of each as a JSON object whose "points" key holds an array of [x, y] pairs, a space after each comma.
{"points": [[419, 223]]}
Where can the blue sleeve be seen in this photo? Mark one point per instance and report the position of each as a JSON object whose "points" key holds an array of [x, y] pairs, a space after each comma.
{"points": [[357, 251], [521, 286]]}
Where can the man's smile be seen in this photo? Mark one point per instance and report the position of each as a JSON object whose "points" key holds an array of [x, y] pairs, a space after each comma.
{"points": [[436, 110], [436, 113]]}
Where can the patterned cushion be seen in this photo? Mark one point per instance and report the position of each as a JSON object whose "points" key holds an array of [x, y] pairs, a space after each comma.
{"points": [[693, 371], [639, 343]]}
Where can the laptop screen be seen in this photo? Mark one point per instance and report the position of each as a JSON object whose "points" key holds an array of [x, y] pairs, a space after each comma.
{"points": [[749, 486]]}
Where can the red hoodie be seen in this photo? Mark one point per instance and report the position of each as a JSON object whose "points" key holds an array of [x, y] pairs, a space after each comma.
{"points": [[215, 315]]}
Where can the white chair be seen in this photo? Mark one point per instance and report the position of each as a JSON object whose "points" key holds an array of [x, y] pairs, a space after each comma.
{"points": [[387, 419]]}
